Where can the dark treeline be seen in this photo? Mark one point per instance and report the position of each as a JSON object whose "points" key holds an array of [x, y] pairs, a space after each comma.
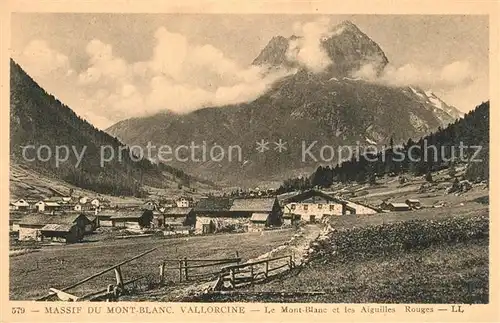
{"points": [[466, 141]]}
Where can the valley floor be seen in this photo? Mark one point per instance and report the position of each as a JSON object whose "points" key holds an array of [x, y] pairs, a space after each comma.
{"points": [[31, 275]]}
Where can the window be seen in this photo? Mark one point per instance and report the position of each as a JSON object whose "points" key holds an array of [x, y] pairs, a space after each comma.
{"points": [[306, 207], [292, 206], [320, 206]]}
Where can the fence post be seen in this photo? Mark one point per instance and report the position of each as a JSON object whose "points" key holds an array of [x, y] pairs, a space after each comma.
{"points": [[162, 272], [180, 270], [119, 277], [108, 292], [251, 274], [186, 268], [231, 271], [290, 264], [266, 273]]}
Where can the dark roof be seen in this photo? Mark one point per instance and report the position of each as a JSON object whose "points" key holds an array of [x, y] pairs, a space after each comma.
{"points": [[253, 205], [212, 204], [43, 219], [182, 211], [127, 215], [301, 196]]}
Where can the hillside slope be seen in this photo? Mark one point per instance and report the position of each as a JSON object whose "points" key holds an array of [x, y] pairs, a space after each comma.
{"points": [[38, 118]]}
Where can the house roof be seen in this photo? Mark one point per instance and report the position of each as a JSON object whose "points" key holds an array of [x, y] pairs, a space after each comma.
{"points": [[259, 217], [20, 202], [51, 203], [402, 205], [212, 204], [127, 215], [301, 196], [57, 227], [178, 211], [43, 219], [253, 205], [413, 200]]}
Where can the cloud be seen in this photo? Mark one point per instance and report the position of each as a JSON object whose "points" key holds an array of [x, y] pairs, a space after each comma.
{"points": [[179, 76], [42, 61], [458, 73], [307, 49]]}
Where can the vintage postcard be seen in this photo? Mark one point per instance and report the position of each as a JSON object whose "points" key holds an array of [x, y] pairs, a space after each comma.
{"points": [[224, 161]]}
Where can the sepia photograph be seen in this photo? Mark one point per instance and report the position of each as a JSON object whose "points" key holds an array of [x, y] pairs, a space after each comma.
{"points": [[249, 158]]}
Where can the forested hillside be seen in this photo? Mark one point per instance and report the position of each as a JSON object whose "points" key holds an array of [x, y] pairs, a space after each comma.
{"points": [[38, 118], [466, 141]]}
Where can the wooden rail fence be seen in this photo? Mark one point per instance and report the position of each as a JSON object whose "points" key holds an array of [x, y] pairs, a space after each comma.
{"points": [[236, 274], [112, 291], [250, 272], [185, 266]]}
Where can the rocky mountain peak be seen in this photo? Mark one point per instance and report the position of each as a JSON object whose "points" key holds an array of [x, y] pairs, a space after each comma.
{"points": [[345, 44]]}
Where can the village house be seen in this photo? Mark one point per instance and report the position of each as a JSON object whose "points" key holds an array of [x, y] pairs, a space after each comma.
{"points": [[20, 205], [178, 215], [66, 227], [178, 220], [132, 220], [83, 199], [413, 203], [261, 212], [212, 213], [183, 202], [104, 219], [398, 207], [312, 205], [47, 206], [15, 218]]}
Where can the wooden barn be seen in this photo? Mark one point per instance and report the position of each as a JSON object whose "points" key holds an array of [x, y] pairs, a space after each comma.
{"points": [[67, 227], [176, 216], [208, 212], [20, 205], [398, 207], [134, 220], [261, 212]]}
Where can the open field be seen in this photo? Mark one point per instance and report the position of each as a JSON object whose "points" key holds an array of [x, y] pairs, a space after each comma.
{"points": [[82, 260]]}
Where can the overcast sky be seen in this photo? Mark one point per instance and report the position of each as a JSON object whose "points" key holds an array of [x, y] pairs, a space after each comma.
{"points": [[108, 67]]}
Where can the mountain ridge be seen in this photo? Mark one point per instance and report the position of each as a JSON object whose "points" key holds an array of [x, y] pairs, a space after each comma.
{"points": [[329, 106], [38, 118]]}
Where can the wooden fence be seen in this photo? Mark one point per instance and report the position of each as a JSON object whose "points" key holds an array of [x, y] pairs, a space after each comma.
{"points": [[186, 266], [111, 291], [188, 270], [250, 272]]}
